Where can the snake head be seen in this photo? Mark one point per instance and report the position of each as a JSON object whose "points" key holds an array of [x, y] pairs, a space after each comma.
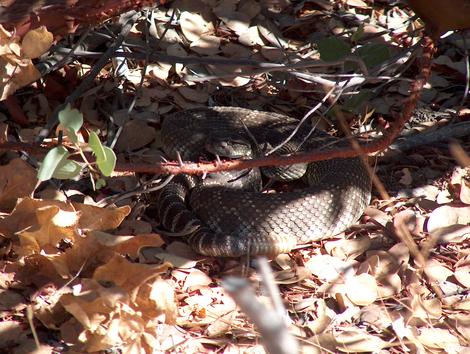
{"points": [[229, 146]]}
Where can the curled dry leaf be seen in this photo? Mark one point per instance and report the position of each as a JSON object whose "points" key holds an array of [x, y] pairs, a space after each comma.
{"points": [[453, 233], [441, 217], [129, 245], [291, 276], [330, 268], [221, 325], [376, 315], [355, 340], [159, 71], [437, 338], [323, 317], [251, 37], [462, 323], [436, 271], [194, 25], [238, 22], [17, 180], [425, 309], [135, 135], [54, 225], [361, 289], [206, 45], [358, 3], [196, 279], [193, 94], [462, 274], [405, 222], [127, 275], [36, 42], [162, 295], [348, 249], [18, 70], [152, 254], [465, 191], [380, 264]]}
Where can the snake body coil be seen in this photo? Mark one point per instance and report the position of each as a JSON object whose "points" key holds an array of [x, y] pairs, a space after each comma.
{"points": [[231, 222]]}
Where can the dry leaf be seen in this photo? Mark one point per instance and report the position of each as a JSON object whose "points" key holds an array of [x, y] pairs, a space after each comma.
{"points": [[462, 274], [17, 180], [348, 248], [437, 338], [193, 94], [206, 45], [425, 309], [135, 135], [453, 233], [18, 71], [36, 42], [362, 289], [357, 3], [465, 192], [194, 25], [329, 268], [55, 225], [236, 21], [436, 271], [442, 217], [128, 275], [355, 340], [250, 37]]}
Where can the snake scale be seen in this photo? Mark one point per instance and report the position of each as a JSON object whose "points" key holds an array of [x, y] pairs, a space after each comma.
{"points": [[229, 222]]}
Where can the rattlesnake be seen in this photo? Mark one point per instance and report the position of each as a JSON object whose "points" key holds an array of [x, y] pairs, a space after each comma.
{"points": [[227, 221]]}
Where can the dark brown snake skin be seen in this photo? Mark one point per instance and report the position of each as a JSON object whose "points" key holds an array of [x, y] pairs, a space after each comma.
{"points": [[229, 222]]}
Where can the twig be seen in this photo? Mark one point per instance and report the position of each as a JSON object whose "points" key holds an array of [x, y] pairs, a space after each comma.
{"points": [[316, 155], [303, 157], [274, 332]]}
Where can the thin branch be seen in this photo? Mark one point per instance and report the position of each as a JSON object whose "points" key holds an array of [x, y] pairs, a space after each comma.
{"points": [[316, 155], [304, 157]]}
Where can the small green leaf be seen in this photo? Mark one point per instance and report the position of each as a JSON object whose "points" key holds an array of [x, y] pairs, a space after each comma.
{"points": [[96, 146], [51, 162], [71, 118], [67, 169], [373, 54], [100, 183], [107, 165], [332, 49], [105, 157]]}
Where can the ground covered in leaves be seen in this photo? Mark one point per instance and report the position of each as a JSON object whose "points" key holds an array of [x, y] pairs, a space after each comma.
{"points": [[86, 270]]}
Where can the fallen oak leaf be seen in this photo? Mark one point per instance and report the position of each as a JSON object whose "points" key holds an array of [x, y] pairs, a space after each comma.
{"points": [[17, 180]]}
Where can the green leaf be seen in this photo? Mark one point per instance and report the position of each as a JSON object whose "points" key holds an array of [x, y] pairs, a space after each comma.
{"points": [[67, 169], [107, 165], [100, 183], [373, 54], [71, 118], [96, 146], [51, 162], [105, 157], [332, 49]]}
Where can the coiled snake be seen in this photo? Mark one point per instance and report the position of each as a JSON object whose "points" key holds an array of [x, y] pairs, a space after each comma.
{"points": [[227, 221]]}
